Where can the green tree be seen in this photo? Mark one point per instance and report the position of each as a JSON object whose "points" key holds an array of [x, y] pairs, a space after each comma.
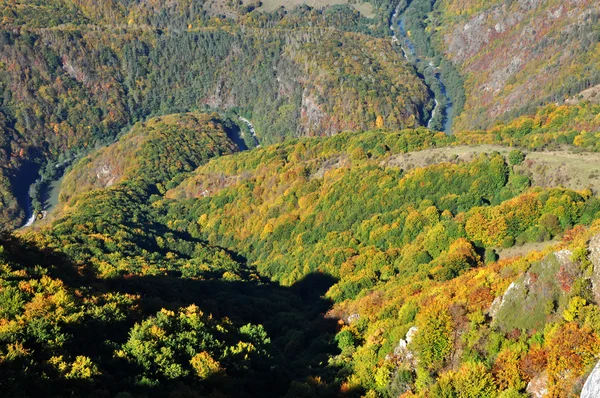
{"points": [[433, 342], [516, 157]]}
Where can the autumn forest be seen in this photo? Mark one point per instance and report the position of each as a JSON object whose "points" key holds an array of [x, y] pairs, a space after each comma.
{"points": [[214, 198]]}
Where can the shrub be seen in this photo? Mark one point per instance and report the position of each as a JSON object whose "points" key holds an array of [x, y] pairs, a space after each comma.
{"points": [[516, 157], [345, 339], [508, 242], [490, 256]]}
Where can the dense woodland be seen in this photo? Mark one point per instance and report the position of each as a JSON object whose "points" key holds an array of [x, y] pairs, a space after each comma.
{"points": [[338, 257], [260, 264], [550, 127], [70, 85], [516, 56]]}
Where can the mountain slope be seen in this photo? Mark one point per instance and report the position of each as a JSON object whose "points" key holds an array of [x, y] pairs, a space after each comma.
{"points": [[249, 205], [518, 55], [68, 89], [361, 249], [158, 150]]}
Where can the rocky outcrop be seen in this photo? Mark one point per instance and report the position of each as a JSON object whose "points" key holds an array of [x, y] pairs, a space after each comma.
{"points": [[105, 175], [312, 115], [402, 353], [516, 53], [594, 257], [538, 386], [591, 388], [353, 317], [537, 293], [499, 301]]}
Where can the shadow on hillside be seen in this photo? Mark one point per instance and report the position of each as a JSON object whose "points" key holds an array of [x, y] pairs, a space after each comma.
{"points": [[301, 337]]}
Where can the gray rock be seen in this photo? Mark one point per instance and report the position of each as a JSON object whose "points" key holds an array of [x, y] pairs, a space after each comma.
{"points": [[402, 350], [591, 388], [594, 256], [353, 317], [538, 386]]}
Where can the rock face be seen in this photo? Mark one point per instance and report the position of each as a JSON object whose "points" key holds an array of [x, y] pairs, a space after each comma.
{"points": [[312, 115], [594, 256], [514, 52], [105, 176], [402, 351], [532, 298], [591, 388], [538, 386]]}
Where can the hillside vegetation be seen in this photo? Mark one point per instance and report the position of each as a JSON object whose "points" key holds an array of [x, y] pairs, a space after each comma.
{"points": [[518, 55], [72, 83], [250, 204], [261, 263], [159, 150]]}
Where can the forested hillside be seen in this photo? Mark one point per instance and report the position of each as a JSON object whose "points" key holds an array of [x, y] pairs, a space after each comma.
{"points": [[72, 82], [161, 150], [113, 302], [517, 55], [248, 201], [290, 195], [309, 261]]}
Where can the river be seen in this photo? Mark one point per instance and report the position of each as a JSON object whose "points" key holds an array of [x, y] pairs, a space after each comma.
{"points": [[31, 218], [433, 113], [50, 190], [26, 176], [400, 36], [49, 193]]}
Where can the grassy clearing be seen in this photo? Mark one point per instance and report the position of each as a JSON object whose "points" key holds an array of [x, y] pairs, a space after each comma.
{"points": [[576, 171], [518, 251], [365, 9]]}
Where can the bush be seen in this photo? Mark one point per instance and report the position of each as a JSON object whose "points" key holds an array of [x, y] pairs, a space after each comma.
{"points": [[490, 256], [508, 242], [401, 382], [551, 223], [345, 339], [522, 239], [516, 157]]}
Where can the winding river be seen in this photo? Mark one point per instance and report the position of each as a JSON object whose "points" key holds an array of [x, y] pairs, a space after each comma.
{"points": [[50, 190], [400, 37], [32, 216], [433, 113]]}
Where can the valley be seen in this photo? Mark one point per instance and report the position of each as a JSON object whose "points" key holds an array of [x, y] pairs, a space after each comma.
{"points": [[442, 114], [206, 198]]}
